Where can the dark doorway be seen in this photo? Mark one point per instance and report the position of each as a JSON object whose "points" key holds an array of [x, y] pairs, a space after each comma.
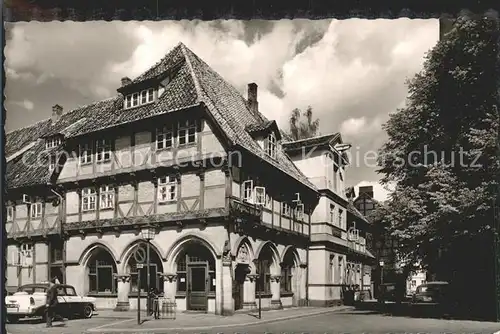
{"points": [[197, 287], [239, 280]]}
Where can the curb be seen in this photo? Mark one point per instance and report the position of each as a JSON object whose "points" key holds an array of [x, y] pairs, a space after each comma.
{"points": [[102, 329]]}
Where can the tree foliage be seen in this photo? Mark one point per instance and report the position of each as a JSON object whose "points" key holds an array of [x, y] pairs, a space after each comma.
{"points": [[303, 128], [442, 150]]}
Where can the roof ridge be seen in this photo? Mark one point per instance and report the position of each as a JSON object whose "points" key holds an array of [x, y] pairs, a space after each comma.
{"points": [[191, 71], [64, 114]]}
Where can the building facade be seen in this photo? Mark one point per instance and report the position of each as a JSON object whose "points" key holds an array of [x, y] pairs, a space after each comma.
{"points": [[180, 151], [385, 248]]}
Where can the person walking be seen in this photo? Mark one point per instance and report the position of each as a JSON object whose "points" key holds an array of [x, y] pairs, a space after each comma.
{"points": [[51, 303]]}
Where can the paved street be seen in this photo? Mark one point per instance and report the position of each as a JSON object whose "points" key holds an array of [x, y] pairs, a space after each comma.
{"points": [[341, 321]]}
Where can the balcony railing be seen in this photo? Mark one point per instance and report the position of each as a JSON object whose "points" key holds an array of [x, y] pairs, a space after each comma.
{"points": [[245, 210]]}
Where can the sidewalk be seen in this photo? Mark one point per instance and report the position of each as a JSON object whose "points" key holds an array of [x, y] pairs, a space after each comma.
{"points": [[201, 321]]}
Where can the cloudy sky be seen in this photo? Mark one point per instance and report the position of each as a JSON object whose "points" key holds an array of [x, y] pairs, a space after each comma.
{"points": [[351, 72]]}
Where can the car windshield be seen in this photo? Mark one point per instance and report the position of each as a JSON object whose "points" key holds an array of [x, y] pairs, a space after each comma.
{"points": [[32, 289], [430, 288]]}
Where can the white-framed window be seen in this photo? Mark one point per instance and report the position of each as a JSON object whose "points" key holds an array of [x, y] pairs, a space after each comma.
{"points": [[107, 197], [331, 270], [286, 209], [36, 210], [142, 97], [413, 283], [260, 195], [164, 137], [340, 217], [187, 132], [332, 213], [167, 189], [147, 96], [299, 211], [89, 198], [248, 191], [52, 142], [10, 213], [103, 150], [270, 145], [86, 153]]}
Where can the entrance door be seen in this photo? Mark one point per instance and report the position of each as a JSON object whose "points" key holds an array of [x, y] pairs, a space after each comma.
{"points": [[197, 288], [239, 280]]}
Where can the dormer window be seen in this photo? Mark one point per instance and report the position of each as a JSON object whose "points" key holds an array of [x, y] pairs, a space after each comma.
{"points": [[270, 145], [52, 142], [142, 97]]}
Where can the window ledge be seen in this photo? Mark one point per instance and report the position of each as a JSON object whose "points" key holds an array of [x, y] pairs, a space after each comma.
{"points": [[164, 149], [102, 294], [103, 161], [187, 145], [286, 294], [263, 295], [106, 209], [167, 202], [86, 163]]}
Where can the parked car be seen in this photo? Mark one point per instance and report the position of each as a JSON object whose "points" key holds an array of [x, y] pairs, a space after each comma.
{"points": [[432, 293], [437, 296], [29, 301], [387, 292]]}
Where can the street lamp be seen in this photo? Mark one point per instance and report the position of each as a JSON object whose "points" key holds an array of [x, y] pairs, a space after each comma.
{"points": [[148, 233], [381, 272]]}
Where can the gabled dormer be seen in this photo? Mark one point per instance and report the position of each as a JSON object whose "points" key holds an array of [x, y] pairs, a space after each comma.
{"points": [[137, 95], [53, 141], [267, 135]]}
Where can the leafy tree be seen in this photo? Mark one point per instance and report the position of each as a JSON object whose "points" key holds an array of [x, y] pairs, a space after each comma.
{"points": [[443, 154], [303, 128]]}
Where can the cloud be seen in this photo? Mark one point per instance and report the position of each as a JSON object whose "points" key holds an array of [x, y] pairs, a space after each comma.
{"points": [[351, 72], [380, 193], [26, 104]]}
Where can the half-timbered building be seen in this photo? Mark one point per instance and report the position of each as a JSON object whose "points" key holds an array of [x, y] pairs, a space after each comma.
{"points": [[178, 149]]}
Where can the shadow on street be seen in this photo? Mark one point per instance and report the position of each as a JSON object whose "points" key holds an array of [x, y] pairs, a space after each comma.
{"points": [[406, 309]]}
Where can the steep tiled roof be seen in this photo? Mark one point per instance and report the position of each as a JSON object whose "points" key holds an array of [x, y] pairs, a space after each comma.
{"points": [[17, 139], [193, 82], [29, 169]]}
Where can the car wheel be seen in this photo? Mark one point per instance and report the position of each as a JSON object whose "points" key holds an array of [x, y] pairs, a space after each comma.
{"points": [[88, 311], [12, 319]]}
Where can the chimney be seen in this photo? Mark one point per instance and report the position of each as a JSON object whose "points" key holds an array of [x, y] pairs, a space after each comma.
{"points": [[366, 190], [126, 81], [57, 112], [253, 105]]}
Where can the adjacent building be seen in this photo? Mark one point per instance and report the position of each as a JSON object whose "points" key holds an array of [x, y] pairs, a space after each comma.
{"points": [[235, 210], [385, 248]]}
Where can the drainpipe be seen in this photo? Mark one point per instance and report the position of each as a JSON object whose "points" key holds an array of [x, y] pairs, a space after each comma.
{"points": [[307, 259], [61, 213]]}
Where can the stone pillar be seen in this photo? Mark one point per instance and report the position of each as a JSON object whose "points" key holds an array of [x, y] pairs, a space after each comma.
{"points": [[227, 286], [302, 288], [169, 285], [249, 291], [275, 291], [122, 303]]}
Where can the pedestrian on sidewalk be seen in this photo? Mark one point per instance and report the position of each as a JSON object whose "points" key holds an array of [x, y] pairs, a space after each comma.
{"points": [[154, 298], [51, 304]]}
